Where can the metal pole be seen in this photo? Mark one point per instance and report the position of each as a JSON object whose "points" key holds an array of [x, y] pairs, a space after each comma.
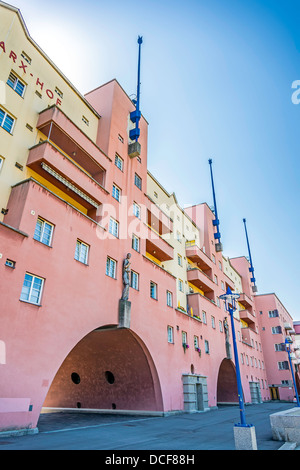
{"points": [[214, 197], [140, 41], [238, 373], [293, 375]]}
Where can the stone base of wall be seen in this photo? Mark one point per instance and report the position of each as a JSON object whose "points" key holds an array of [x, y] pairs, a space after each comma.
{"points": [[195, 395], [286, 425]]}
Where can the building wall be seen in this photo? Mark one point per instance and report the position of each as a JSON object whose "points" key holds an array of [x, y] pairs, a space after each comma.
{"points": [[178, 341]]}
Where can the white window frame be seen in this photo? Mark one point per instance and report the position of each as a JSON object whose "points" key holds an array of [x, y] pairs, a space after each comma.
{"points": [[5, 115], [13, 83], [135, 243], [138, 181], [119, 162], [81, 256], [204, 318], [134, 280], [116, 192], [111, 267], [179, 259], [180, 285], [170, 334], [113, 227], [169, 298], [153, 290], [31, 288], [44, 224], [136, 209]]}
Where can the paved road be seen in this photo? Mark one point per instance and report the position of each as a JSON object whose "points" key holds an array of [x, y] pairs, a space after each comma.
{"points": [[212, 430]]}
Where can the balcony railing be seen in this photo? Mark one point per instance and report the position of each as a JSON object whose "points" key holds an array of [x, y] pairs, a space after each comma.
{"points": [[197, 256], [157, 246], [60, 170]]}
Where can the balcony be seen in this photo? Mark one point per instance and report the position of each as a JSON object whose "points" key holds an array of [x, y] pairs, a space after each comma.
{"points": [[245, 300], [199, 279], [157, 219], [60, 170], [198, 302], [58, 128], [247, 316], [197, 256], [157, 246]]}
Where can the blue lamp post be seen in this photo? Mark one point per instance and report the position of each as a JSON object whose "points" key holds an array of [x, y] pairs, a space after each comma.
{"points": [[288, 343], [230, 303]]}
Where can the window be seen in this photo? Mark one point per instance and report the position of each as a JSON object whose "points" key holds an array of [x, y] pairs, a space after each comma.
{"points": [[222, 285], [6, 121], [284, 365], [153, 290], [179, 259], [213, 258], [215, 279], [134, 281], [113, 227], [279, 347], [59, 92], [221, 326], [170, 334], [10, 263], [1, 162], [206, 346], [136, 210], [116, 193], [138, 181], [32, 289], [86, 121], [204, 317], [111, 266], [119, 162], [213, 324], [276, 330], [220, 265], [180, 285], [135, 243], [81, 252], [184, 337], [120, 138], [196, 342], [43, 231], [155, 194], [26, 57], [169, 299], [15, 83], [273, 313]]}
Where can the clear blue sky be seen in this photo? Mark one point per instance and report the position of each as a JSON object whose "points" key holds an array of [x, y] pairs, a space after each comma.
{"points": [[216, 82]]}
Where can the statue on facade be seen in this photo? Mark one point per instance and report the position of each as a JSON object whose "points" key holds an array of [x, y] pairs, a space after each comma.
{"points": [[126, 277]]}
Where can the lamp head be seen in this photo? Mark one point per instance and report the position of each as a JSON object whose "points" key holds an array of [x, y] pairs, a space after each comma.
{"points": [[230, 298]]}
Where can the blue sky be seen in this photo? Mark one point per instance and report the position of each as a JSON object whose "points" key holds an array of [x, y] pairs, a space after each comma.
{"points": [[216, 82]]}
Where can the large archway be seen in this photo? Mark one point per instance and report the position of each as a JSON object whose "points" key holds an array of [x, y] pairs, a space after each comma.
{"points": [[227, 385], [110, 368]]}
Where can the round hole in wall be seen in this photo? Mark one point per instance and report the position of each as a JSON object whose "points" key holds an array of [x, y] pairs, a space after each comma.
{"points": [[192, 369], [114, 406], [75, 378], [109, 377]]}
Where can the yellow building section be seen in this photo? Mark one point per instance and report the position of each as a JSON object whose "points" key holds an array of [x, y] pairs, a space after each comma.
{"points": [[244, 324], [195, 289], [30, 83], [155, 260], [56, 190], [241, 307]]}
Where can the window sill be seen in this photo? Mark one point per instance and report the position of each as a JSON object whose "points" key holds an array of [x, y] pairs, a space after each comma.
{"points": [[81, 262], [30, 303]]}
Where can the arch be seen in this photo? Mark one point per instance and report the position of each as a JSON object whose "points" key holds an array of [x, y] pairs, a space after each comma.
{"points": [[227, 385], [110, 368]]}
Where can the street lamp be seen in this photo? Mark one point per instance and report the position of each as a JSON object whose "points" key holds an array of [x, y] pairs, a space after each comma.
{"points": [[288, 343], [230, 304], [250, 441]]}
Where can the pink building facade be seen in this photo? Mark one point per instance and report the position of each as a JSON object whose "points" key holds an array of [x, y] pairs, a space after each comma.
{"points": [[67, 228]]}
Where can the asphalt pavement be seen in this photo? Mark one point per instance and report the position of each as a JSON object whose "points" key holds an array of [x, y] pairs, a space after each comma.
{"points": [[211, 430]]}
